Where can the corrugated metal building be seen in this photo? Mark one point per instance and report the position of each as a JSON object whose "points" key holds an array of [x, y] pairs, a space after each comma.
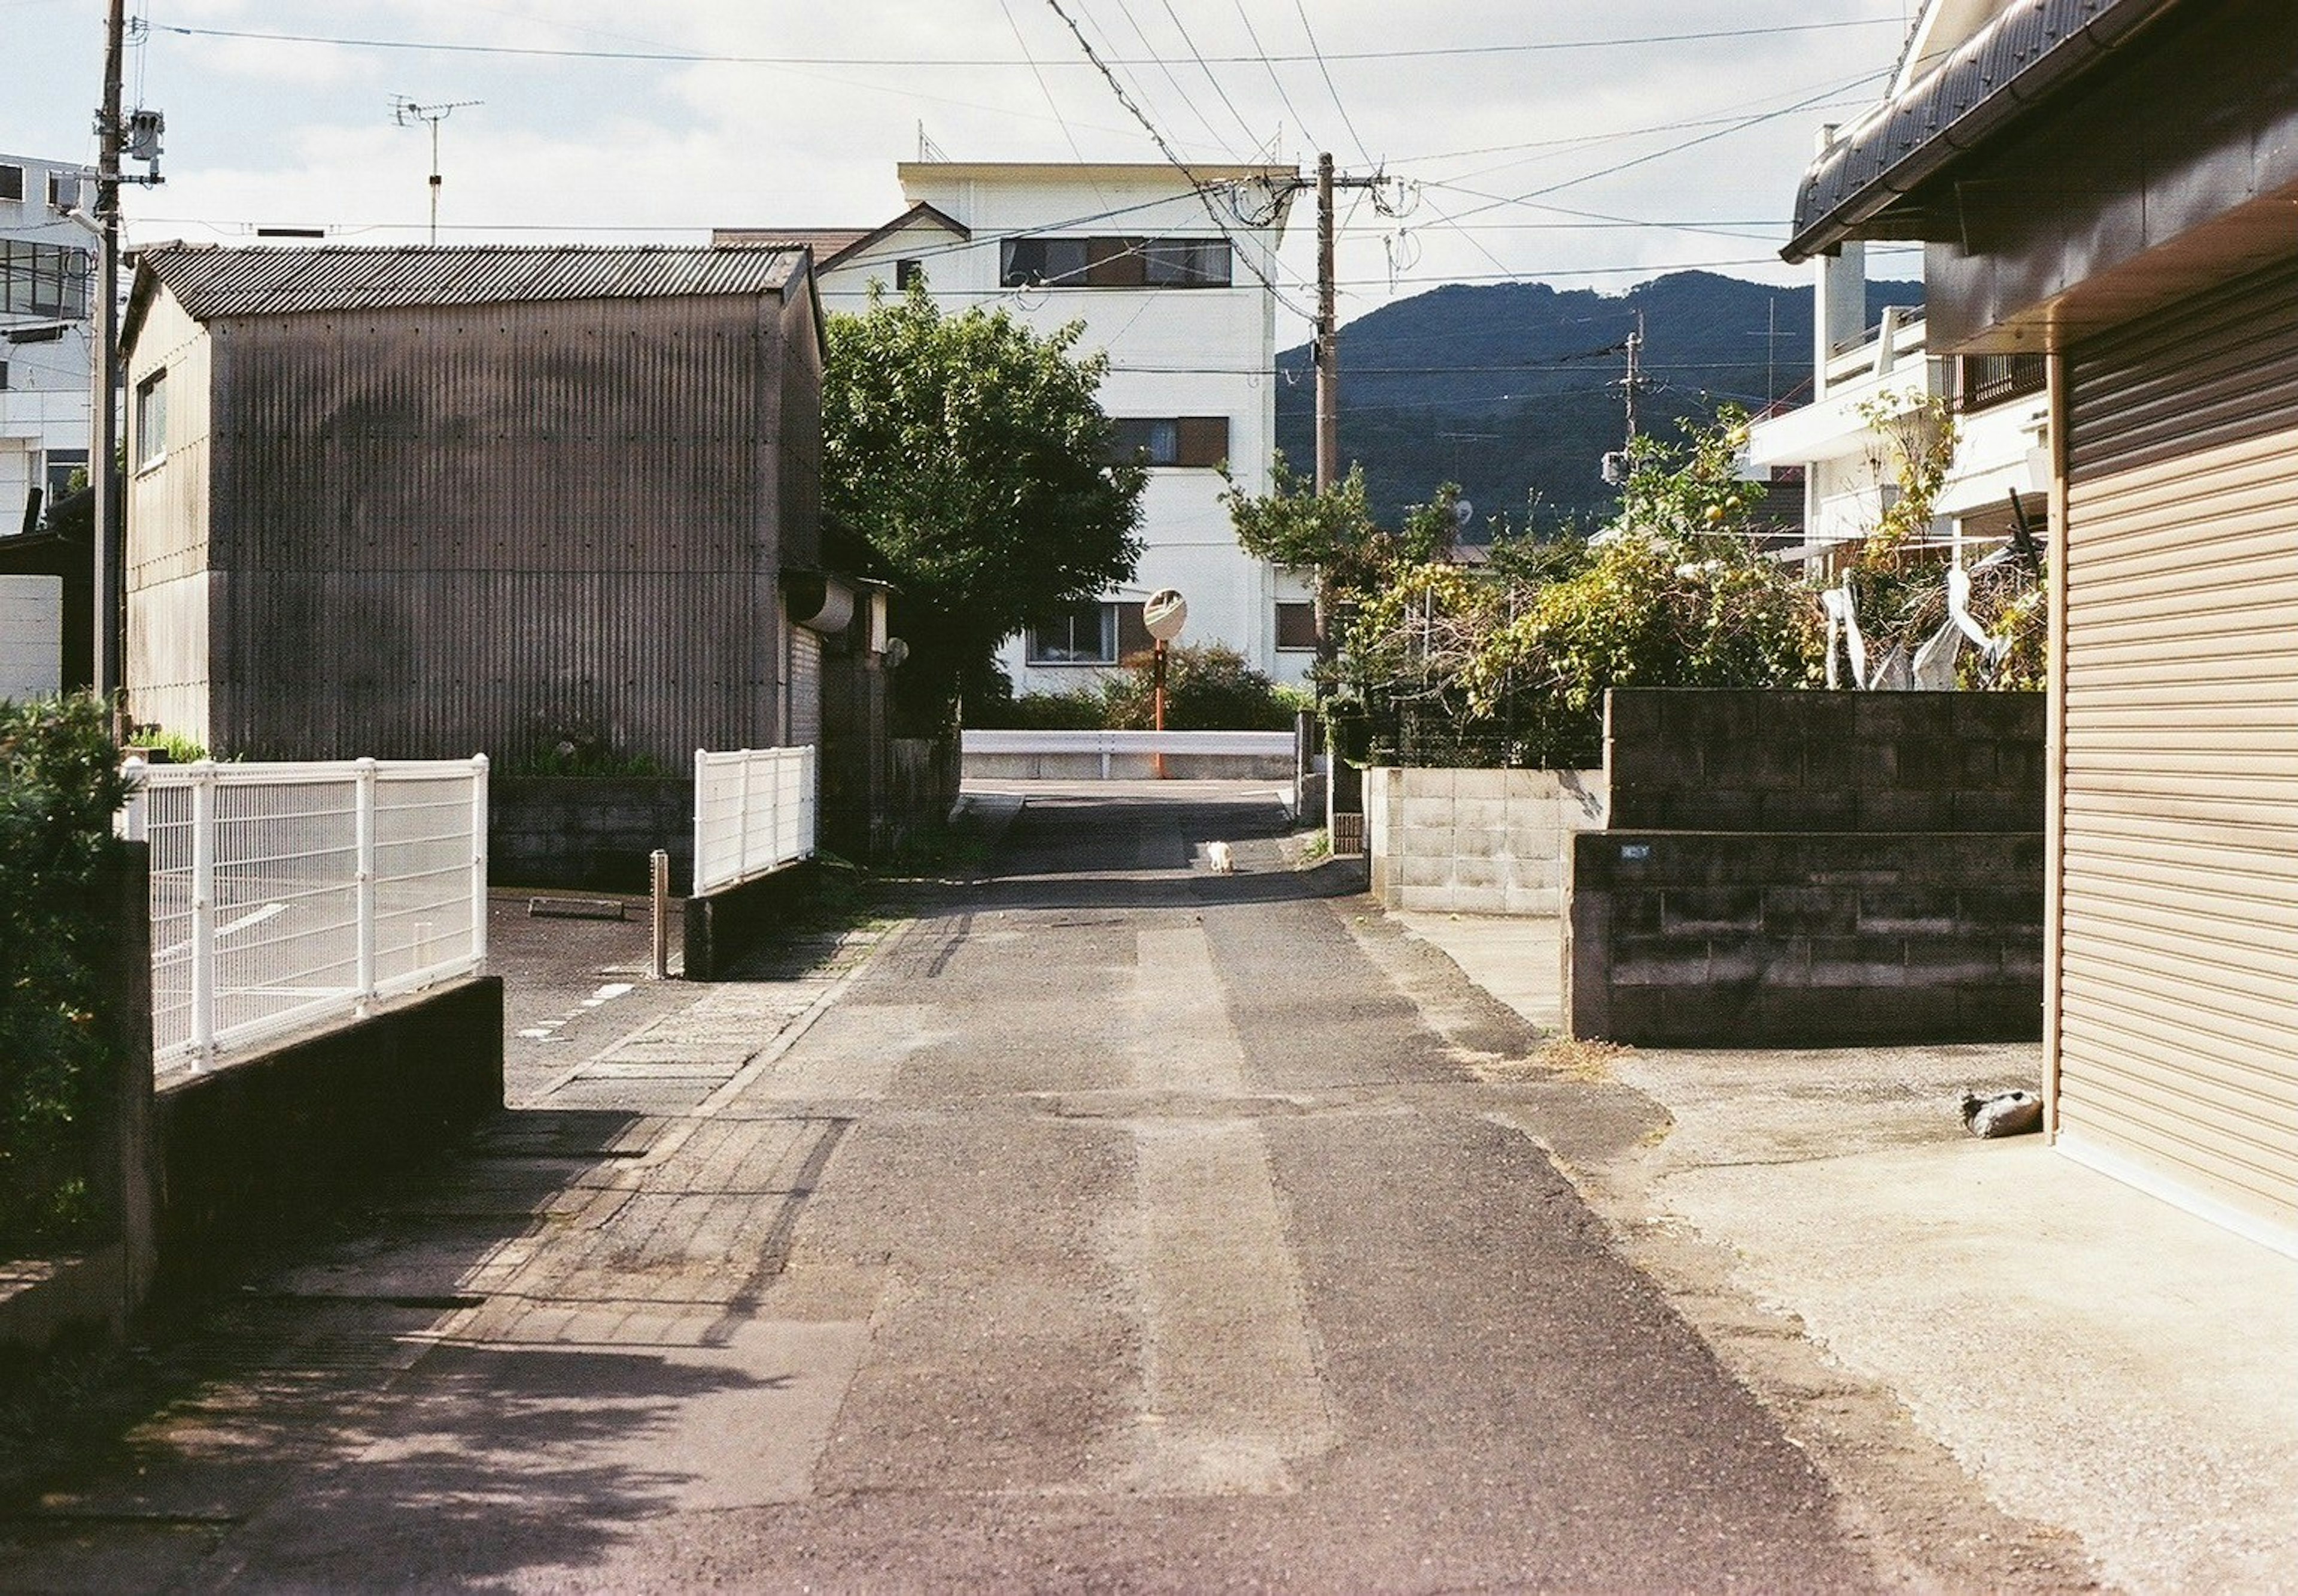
{"points": [[420, 502], [2113, 182]]}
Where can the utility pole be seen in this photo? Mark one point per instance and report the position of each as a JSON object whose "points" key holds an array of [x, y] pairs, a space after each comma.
{"points": [[103, 472], [1635, 373], [1328, 337]]}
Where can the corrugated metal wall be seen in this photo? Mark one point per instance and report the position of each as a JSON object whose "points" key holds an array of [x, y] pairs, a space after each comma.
{"points": [[496, 529], [170, 588], [2178, 1028]]}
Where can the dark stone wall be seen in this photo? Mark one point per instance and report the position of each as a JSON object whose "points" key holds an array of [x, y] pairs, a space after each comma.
{"points": [[1774, 761], [588, 833], [1817, 939], [1812, 869], [723, 928], [258, 1136]]}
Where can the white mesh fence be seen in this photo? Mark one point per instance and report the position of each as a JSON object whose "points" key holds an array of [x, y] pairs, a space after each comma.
{"points": [[754, 812], [287, 895]]}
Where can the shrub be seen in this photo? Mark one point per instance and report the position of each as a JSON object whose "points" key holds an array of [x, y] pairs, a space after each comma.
{"points": [[60, 786], [1207, 688]]}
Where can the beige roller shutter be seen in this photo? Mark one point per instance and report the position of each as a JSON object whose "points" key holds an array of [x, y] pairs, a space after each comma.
{"points": [[2179, 979]]}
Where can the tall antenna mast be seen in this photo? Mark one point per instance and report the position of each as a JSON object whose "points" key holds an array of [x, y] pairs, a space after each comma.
{"points": [[1635, 373], [405, 112]]}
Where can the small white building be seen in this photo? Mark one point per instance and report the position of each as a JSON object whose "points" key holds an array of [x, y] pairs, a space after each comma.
{"points": [[1861, 374], [47, 350], [1173, 283]]}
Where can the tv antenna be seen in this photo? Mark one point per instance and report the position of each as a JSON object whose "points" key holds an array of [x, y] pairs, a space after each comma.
{"points": [[405, 112]]}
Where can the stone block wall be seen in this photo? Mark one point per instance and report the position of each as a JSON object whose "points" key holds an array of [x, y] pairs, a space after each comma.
{"points": [[1475, 841]]}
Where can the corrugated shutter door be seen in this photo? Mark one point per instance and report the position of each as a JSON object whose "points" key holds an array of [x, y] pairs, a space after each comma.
{"points": [[805, 685], [2178, 1037]]}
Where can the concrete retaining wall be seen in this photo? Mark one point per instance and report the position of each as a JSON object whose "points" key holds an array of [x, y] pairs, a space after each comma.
{"points": [[1475, 841], [721, 927], [588, 833], [257, 1134]]}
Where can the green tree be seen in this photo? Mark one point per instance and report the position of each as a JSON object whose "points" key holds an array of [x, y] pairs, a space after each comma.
{"points": [[970, 458], [1332, 534]]}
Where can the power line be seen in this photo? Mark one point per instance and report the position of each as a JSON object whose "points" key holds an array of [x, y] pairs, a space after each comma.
{"points": [[1204, 121], [1347, 120], [713, 58], [1198, 56], [1269, 65], [1237, 248]]}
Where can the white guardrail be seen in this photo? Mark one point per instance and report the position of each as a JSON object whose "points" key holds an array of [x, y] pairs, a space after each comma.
{"points": [[754, 812], [1112, 746], [284, 895]]}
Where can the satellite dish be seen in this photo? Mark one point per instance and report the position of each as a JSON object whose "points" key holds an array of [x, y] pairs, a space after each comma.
{"points": [[1464, 514], [896, 652], [1616, 467], [1164, 614]]}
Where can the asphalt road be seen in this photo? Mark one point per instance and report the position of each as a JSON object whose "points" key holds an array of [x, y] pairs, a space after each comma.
{"points": [[1117, 1225]]}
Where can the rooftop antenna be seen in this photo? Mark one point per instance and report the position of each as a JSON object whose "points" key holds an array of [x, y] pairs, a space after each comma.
{"points": [[927, 149], [405, 112]]}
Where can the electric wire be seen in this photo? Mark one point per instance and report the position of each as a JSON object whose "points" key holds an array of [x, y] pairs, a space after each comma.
{"points": [[1347, 120], [716, 58], [1269, 65]]}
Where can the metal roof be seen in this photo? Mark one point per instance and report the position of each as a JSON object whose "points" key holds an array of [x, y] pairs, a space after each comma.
{"points": [[210, 281], [1859, 185]]}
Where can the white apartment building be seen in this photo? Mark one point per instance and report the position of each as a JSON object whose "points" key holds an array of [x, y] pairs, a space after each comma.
{"points": [[1859, 373], [1171, 283], [47, 350]]}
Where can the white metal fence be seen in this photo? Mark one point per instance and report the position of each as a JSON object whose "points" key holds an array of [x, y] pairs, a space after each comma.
{"points": [[284, 895], [754, 812]]}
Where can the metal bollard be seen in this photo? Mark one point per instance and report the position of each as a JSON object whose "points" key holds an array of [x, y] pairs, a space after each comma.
{"points": [[659, 867]]}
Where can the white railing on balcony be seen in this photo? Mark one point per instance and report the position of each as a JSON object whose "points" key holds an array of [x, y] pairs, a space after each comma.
{"points": [[285, 896], [754, 812]]}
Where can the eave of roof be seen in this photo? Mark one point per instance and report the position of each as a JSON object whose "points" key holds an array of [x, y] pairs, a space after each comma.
{"points": [[2029, 55], [210, 281]]}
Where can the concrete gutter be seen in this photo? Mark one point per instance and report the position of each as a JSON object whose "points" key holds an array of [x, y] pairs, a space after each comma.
{"points": [[2097, 1360]]}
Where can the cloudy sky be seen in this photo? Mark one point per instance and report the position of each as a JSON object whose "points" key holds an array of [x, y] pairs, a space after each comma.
{"points": [[1578, 141]]}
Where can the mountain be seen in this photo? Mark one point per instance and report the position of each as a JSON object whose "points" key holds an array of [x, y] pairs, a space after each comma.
{"points": [[1514, 390]]}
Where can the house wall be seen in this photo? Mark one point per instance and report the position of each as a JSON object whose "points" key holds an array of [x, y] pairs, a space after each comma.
{"points": [[1195, 352], [170, 570], [1475, 841], [31, 636], [437, 531], [44, 400]]}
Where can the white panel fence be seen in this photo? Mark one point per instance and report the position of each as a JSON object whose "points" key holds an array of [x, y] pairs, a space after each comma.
{"points": [[755, 812], [288, 894]]}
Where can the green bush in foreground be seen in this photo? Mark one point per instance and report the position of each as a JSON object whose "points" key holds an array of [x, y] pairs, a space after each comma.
{"points": [[60, 786]]}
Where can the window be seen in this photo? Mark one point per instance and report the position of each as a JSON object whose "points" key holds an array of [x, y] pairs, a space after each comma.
{"points": [[12, 182], [43, 279], [64, 465], [151, 420], [1171, 441], [908, 275], [1115, 262], [1296, 626], [1089, 634]]}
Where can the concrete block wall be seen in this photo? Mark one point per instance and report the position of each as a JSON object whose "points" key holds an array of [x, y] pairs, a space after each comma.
{"points": [[1817, 939], [1757, 760], [588, 833], [1812, 869], [1475, 841]]}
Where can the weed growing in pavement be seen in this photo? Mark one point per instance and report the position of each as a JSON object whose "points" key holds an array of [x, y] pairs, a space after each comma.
{"points": [[1589, 1060]]}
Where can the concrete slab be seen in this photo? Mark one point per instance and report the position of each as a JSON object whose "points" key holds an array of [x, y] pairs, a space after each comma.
{"points": [[2098, 1360]]}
